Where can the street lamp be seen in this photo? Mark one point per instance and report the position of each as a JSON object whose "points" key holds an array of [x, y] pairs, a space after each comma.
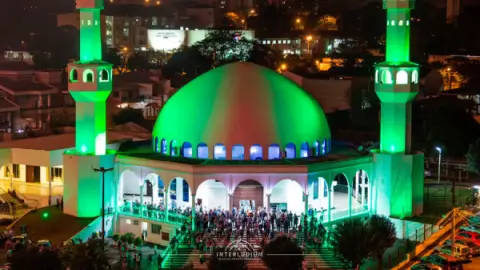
{"points": [[309, 38], [103, 171], [439, 162]]}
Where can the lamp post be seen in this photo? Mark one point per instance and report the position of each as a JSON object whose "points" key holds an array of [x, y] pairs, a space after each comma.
{"points": [[439, 163], [309, 38], [103, 171]]}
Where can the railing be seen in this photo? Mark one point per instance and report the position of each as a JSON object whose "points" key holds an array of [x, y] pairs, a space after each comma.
{"points": [[32, 203], [151, 214]]}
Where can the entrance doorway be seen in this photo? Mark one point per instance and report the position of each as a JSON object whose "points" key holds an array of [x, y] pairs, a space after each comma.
{"points": [[248, 194], [32, 174], [144, 231], [149, 189]]}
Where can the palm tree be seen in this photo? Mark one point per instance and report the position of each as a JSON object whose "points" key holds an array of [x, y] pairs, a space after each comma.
{"points": [[88, 255], [349, 241], [32, 258], [382, 235], [274, 254]]}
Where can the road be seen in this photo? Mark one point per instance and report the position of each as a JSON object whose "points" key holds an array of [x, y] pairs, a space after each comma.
{"points": [[474, 265]]}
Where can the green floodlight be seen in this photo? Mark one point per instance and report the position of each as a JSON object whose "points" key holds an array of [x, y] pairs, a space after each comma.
{"points": [[45, 215]]}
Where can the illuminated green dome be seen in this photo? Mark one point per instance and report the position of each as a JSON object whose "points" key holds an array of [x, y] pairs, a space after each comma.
{"points": [[241, 104]]}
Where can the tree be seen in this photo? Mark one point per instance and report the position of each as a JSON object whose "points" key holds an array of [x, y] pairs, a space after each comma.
{"points": [[349, 241], [128, 115], [473, 157], [137, 62], [32, 258], [138, 242], [283, 245], [88, 255], [214, 263], [381, 236]]}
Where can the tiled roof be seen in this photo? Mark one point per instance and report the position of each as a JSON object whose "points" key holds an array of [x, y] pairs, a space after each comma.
{"points": [[23, 85], [15, 66]]}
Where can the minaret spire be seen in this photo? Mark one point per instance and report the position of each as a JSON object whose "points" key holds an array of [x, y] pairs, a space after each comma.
{"points": [[398, 181], [90, 82]]}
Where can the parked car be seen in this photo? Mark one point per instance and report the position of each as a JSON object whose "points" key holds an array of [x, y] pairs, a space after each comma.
{"points": [[445, 261], [474, 248], [461, 252], [469, 235], [426, 266], [470, 228]]}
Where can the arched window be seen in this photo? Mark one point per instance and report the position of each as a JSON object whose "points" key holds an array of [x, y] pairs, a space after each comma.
{"points": [[104, 75], [290, 151], [219, 151], [163, 145], [415, 76], [274, 151], [88, 75], [187, 150], [400, 23], [173, 148], [73, 75], [256, 152], [393, 23], [402, 77], [316, 145], [324, 147], [155, 147], [386, 77], [376, 76], [202, 150], [238, 152], [304, 150]]}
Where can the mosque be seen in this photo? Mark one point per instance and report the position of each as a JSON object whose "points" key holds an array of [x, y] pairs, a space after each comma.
{"points": [[242, 136]]}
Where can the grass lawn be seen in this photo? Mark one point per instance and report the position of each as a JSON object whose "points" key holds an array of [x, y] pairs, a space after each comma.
{"points": [[51, 224]]}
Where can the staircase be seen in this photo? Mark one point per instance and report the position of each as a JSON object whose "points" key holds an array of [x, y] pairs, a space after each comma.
{"points": [[322, 258], [177, 261]]}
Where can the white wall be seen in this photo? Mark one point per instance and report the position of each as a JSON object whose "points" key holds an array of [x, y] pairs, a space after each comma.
{"points": [[213, 194], [126, 224], [291, 193]]}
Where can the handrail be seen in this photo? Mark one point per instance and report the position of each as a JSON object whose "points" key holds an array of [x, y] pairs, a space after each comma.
{"points": [[25, 198]]}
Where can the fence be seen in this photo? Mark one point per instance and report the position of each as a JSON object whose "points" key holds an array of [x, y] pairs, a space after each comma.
{"points": [[151, 214]]}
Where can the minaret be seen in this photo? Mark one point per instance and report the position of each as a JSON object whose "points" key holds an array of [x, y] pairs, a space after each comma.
{"points": [[90, 84], [398, 177]]}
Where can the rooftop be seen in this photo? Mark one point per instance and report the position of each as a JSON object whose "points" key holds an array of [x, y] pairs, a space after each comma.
{"points": [[144, 151], [23, 85], [65, 141], [15, 66]]}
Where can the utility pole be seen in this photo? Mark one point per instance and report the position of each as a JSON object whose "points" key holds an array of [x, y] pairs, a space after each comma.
{"points": [[103, 171]]}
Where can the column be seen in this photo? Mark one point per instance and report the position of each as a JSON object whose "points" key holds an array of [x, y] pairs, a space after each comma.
{"points": [[166, 196], [350, 200], [193, 212], [305, 196], [268, 201], [49, 179], [230, 201], [329, 206], [155, 193], [357, 184], [141, 199], [363, 188]]}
